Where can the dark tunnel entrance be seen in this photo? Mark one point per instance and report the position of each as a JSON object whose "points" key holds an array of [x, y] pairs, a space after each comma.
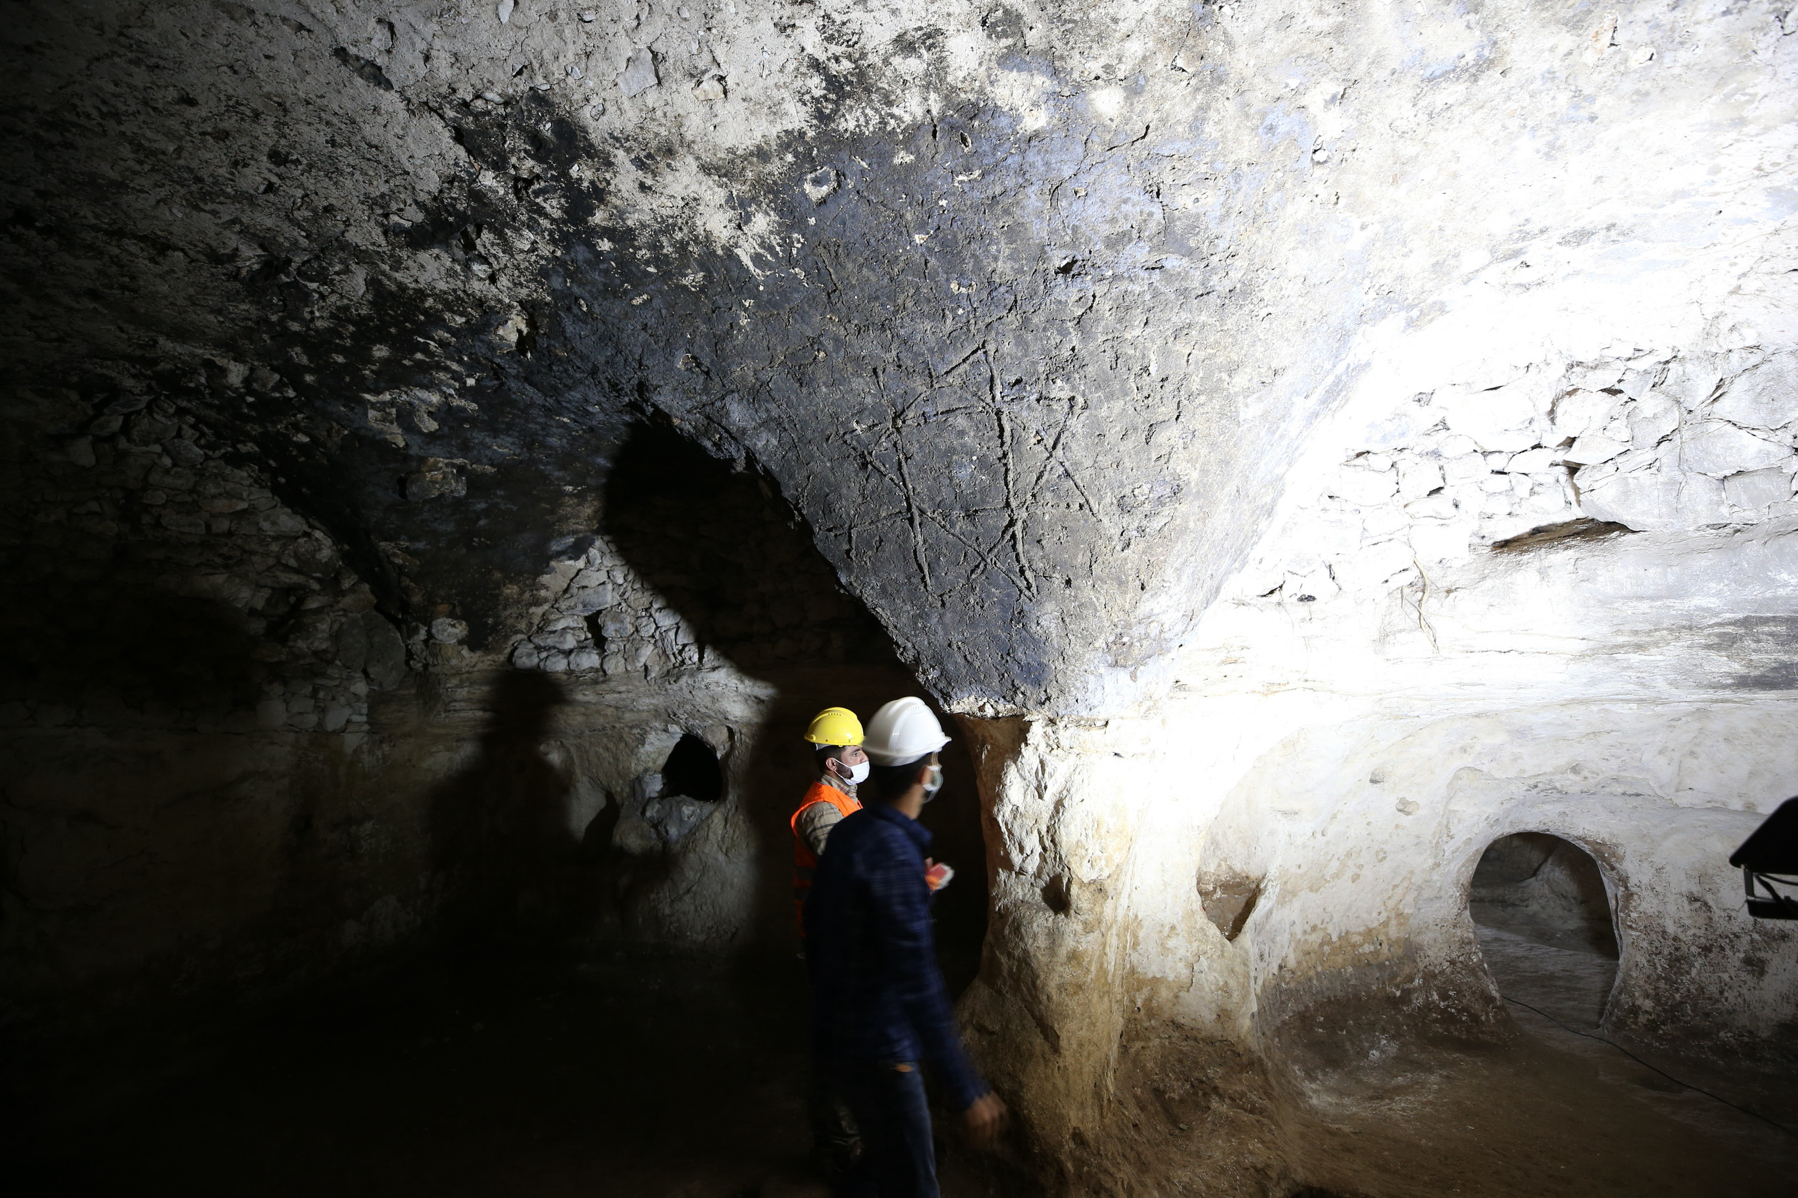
{"points": [[692, 770], [1544, 923], [732, 559]]}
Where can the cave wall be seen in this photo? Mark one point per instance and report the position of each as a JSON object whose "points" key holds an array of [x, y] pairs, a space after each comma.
{"points": [[1300, 444], [1616, 676], [1522, 579], [1438, 643], [189, 673], [226, 773]]}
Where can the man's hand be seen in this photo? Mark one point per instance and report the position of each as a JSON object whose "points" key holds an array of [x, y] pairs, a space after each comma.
{"points": [[984, 1120], [936, 875]]}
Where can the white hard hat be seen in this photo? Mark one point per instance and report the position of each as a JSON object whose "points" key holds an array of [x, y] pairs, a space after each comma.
{"points": [[903, 731]]}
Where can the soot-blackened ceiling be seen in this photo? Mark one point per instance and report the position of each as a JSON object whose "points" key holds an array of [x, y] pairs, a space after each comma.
{"points": [[1020, 307], [431, 315]]}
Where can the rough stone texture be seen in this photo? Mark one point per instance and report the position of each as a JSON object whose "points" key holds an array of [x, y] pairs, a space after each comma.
{"points": [[1004, 299], [1302, 445], [188, 671], [225, 772]]}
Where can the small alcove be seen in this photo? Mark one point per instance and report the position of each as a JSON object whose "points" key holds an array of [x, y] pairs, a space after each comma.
{"points": [[692, 770], [1543, 918]]}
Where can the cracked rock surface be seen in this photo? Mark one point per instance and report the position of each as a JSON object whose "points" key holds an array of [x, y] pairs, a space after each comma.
{"points": [[1022, 308]]}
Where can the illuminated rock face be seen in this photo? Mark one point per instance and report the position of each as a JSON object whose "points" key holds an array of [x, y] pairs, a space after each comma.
{"points": [[1302, 447]]}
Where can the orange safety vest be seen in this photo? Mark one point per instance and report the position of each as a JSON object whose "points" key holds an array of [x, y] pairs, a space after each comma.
{"points": [[805, 862]]}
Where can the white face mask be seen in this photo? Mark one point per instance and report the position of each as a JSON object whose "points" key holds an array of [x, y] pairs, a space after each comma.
{"points": [[935, 784], [858, 774]]}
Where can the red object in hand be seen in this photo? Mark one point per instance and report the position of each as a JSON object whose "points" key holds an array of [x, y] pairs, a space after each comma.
{"points": [[937, 875]]}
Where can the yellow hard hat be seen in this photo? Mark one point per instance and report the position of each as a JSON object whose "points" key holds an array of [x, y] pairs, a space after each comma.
{"points": [[835, 726]]}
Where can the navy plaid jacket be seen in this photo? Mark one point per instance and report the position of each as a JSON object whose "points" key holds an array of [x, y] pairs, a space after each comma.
{"points": [[878, 995]]}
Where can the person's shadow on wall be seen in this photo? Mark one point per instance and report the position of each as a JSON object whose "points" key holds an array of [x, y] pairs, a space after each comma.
{"points": [[500, 844]]}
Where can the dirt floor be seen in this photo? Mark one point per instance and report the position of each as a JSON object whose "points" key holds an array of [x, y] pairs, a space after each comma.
{"points": [[1540, 1118], [1565, 1109], [674, 1078], [621, 1076]]}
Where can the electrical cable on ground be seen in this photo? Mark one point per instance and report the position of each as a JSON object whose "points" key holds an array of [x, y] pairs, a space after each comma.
{"points": [[1638, 1060]]}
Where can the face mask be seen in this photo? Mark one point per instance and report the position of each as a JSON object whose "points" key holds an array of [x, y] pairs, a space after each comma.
{"points": [[858, 774], [934, 784]]}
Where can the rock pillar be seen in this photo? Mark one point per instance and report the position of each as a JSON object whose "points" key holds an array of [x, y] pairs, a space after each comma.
{"points": [[1061, 802]]}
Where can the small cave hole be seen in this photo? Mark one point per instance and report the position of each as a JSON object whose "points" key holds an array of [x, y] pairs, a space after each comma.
{"points": [[1229, 901], [1544, 925], [692, 770], [595, 629]]}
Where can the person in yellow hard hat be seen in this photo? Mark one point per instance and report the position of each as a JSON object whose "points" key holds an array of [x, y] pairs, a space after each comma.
{"points": [[879, 1006], [836, 738]]}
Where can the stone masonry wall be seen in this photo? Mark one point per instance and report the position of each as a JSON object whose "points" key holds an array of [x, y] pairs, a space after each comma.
{"points": [[188, 671]]}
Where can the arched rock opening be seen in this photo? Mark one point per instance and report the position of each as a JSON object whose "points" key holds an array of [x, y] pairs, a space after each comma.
{"points": [[1545, 925], [726, 555], [732, 598]]}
